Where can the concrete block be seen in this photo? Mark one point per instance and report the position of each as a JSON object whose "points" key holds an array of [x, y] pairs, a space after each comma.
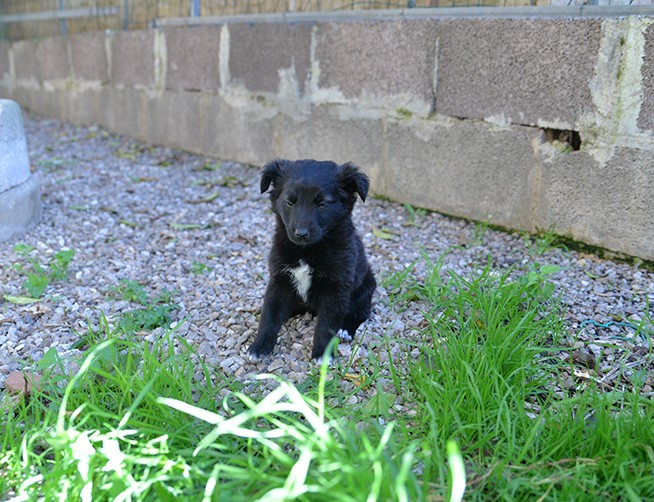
{"points": [[84, 106], [382, 60], [646, 117], [52, 56], [89, 57], [193, 58], [259, 53], [206, 123], [246, 134], [176, 119], [26, 64], [462, 168], [293, 138], [20, 205], [329, 135], [5, 66], [49, 103], [608, 206], [132, 58], [519, 69], [125, 110]]}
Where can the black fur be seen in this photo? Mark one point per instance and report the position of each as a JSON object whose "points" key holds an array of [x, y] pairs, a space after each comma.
{"points": [[313, 202]]}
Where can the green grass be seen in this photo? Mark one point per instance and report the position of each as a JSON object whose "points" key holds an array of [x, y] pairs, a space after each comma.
{"points": [[130, 291], [146, 421], [133, 423], [486, 377], [39, 273], [199, 268], [154, 312], [415, 215]]}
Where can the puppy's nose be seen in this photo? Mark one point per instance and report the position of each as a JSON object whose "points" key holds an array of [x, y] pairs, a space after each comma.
{"points": [[302, 233]]}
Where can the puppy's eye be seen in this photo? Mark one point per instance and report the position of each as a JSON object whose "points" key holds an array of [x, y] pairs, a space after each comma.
{"points": [[290, 202]]}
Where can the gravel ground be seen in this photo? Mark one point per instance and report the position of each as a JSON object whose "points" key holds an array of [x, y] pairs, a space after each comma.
{"points": [[149, 214]]}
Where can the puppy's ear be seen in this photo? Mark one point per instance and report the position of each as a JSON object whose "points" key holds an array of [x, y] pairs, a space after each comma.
{"points": [[272, 171], [354, 181]]}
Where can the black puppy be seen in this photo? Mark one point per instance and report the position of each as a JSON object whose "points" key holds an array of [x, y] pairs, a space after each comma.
{"points": [[317, 261]]}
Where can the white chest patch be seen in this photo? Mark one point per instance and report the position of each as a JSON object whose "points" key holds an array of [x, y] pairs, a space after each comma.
{"points": [[301, 278]]}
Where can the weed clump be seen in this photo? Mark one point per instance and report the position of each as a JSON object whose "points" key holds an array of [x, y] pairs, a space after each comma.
{"points": [[41, 273]]}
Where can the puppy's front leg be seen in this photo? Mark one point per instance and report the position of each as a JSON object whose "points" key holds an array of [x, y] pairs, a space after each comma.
{"points": [[278, 305], [330, 318]]}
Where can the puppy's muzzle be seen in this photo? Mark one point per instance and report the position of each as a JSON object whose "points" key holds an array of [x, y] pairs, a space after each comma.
{"points": [[302, 234]]}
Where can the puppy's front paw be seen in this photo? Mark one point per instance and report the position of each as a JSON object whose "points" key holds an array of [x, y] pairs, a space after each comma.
{"points": [[344, 336], [319, 360], [256, 353], [318, 354]]}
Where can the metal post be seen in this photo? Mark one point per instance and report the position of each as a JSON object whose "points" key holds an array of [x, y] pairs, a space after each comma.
{"points": [[62, 21], [125, 14], [195, 8]]}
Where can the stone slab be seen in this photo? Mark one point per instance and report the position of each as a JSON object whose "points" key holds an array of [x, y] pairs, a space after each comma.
{"points": [[329, 135], [259, 52], [523, 70], [246, 134], [5, 65], [89, 56], [84, 106], [176, 119], [462, 168], [379, 59], [124, 110], [132, 58], [48, 103], [193, 58], [608, 206], [646, 117], [52, 56], [26, 65]]}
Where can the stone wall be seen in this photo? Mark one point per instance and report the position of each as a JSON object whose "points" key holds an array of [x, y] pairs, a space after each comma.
{"points": [[527, 123]]}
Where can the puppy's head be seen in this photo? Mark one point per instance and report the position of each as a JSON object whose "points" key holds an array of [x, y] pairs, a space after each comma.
{"points": [[312, 197]]}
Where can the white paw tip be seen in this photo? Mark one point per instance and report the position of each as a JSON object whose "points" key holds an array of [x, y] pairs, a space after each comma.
{"points": [[344, 335], [329, 359]]}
